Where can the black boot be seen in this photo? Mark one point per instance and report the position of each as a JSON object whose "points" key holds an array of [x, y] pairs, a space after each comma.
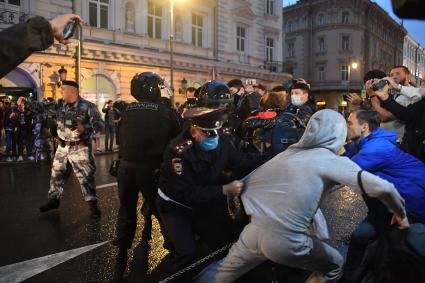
{"points": [[94, 210], [51, 204], [120, 264]]}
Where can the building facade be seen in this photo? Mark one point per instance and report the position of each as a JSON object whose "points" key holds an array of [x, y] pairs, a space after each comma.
{"points": [[414, 59], [214, 39], [324, 37]]}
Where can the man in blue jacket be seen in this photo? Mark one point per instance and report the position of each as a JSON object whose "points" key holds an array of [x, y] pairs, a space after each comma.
{"points": [[375, 150]]}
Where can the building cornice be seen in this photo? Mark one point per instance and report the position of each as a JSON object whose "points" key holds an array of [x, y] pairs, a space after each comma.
{"points": [[96, 52]]}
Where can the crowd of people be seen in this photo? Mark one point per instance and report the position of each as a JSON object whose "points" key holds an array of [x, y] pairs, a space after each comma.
{"points": [[240, 164], [28, 129]]}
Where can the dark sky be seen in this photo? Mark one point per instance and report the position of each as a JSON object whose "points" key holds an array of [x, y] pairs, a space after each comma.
{"points": [[415, 28]]}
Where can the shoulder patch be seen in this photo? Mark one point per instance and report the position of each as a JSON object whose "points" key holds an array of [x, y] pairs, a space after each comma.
{"points": [[177, 165], [183, 146]]}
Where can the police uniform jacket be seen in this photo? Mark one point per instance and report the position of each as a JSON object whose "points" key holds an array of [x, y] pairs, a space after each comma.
{"points": [[146, 129], [194, 177]]}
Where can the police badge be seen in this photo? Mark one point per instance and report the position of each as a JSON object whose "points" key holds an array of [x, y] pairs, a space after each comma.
{"points": [[177, 165]]}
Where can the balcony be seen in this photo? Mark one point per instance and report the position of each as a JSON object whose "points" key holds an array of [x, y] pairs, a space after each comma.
{"points": [[11, 17], [275, 67], [244, 59]]}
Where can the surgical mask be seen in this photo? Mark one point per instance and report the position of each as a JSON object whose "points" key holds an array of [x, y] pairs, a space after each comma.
{"points": [[296, 100], [208, 144]]}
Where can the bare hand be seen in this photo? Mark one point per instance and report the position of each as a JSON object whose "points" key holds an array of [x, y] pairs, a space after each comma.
{"points": [[383, 93], [392, 83], [354, 99], [402, 223], [371, 82], [59, 23], [79, 130], [233, 189]]}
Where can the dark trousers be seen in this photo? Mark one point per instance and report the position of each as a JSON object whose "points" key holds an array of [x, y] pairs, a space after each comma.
{"points": [[10, 143], [376, 222], [25, 138], [109, 136], [213, 226], [134, 178]]}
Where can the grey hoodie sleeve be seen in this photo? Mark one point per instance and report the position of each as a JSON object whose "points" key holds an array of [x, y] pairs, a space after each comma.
{"points": [[343, 171]]}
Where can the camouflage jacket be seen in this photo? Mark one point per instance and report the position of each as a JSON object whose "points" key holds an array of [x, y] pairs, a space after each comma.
{"points": [[68, 116]]}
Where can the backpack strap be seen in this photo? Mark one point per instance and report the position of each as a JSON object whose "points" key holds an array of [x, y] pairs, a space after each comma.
{"points": [[295, 117], [359, 181]]}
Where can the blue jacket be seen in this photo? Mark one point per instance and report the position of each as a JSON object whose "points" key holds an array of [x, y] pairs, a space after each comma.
{"points": [[379, 154]]}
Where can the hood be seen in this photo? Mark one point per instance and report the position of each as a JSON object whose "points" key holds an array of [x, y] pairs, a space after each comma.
{"points": [[379, 133], [326, 129]]}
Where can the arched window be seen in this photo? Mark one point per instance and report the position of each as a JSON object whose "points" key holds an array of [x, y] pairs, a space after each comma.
{"points": [[98, 89]]}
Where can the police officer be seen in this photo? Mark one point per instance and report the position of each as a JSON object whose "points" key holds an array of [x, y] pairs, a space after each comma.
{"points": [[199, 170], [147, 126], [302, 101], [216, 94], [76, 120]]}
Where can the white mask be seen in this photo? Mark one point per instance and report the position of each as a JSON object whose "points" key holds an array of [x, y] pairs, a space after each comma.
{"points": [[296, 100]]}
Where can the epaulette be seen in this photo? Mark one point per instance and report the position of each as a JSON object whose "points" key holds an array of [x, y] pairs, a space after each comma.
{"points": [[183, 146]]}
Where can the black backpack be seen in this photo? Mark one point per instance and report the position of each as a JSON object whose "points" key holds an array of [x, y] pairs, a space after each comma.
{"points": [[287, 130], [270, 136]]}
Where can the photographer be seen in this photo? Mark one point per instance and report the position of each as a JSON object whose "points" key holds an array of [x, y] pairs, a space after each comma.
{"points": [[413, 93], [414, 117]]}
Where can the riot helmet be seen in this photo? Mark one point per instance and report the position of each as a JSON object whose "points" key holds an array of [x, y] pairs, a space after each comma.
{"points": [[214, 94], [147, 86]]}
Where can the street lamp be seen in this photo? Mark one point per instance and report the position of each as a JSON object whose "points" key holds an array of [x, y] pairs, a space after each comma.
{"points": [[171, 48], [62, 73], [183, 84]]}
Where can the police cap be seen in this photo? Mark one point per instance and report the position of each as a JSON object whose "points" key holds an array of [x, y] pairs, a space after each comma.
{"points": [[207, 119], [70, 83]]}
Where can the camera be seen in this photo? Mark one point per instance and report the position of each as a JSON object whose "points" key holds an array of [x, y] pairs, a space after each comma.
{"points": [[379, 85]]}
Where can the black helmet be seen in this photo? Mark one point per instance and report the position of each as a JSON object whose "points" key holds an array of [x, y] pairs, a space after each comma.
{"points": [[147, 86], [213, 94]]}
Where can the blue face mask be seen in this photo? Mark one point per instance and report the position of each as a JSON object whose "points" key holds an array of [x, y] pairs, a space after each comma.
{"points": [[208, 144]]}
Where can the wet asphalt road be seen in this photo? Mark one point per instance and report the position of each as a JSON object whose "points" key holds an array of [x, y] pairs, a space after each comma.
{"points": [[26, 234]]}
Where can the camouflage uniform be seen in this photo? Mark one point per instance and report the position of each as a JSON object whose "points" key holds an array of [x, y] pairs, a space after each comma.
{"points": [[75, 151]]}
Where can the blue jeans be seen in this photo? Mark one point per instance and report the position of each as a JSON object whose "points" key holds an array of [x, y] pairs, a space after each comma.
{"points": [[10, 143]]}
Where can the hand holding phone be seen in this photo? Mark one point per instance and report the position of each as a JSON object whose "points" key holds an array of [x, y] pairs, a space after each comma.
{"points": [[70, 28], [59, 23]]}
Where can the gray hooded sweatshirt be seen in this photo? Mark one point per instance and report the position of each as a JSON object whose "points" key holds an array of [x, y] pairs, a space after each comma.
{"points": [[284, 193]]}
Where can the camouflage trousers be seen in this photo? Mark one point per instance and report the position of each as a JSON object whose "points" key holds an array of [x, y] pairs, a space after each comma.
{"points": [[81, 159]]}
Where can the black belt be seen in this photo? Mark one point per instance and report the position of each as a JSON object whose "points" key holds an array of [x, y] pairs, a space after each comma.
{"points": [[72, 143]]}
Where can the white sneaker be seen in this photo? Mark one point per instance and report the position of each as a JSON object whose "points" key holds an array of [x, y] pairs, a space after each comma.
{"points": [[20, 158], [9, 159], [31, 157], [41, 156]]}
